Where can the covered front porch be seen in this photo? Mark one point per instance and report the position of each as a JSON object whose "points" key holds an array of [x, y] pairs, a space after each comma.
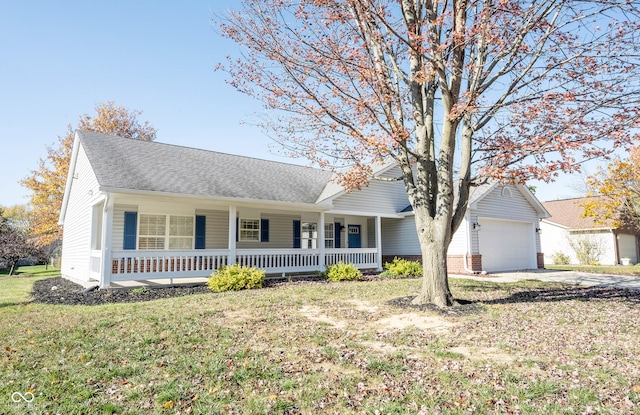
{"points": [[185, 266], [170, 242]]}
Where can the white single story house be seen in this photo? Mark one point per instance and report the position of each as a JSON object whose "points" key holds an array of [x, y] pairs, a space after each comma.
{"points": [[145, 211], [566, 224]]}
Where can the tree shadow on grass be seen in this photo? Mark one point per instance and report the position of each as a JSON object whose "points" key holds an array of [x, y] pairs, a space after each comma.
{"points": [[514, 295], [13, 304], [569, 293]]}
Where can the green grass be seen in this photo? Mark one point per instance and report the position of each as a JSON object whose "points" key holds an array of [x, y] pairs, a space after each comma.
{"points": [[34, 270], [16, 290], [321, 348], [633, 270]]}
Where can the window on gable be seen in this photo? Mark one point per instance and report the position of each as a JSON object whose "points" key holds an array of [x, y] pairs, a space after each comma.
{"points": [[249, 230]]}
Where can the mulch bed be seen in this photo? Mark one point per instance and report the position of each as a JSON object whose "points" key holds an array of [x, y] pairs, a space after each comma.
{"points": [[61, 291]]}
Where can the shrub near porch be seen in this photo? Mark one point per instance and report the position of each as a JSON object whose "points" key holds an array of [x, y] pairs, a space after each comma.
{"points": [[236, 277]]}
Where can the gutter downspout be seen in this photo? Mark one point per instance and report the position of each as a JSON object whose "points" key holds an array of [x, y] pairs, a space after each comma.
{"points": [[464, 259], [616, 247]]}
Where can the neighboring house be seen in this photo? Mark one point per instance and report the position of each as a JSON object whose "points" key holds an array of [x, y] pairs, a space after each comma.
{"points": [[138, 210], [566, 226]]}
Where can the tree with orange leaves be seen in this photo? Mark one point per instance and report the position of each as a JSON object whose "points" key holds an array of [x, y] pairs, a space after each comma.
{"points": [[619, 191], [455, 92], [48, 182]]}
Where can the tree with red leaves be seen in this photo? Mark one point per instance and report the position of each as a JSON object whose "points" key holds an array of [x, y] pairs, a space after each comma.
{"points": [[455, 92]]}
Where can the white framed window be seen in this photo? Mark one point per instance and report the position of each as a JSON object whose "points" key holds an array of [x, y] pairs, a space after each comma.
{"points": [[181, 232], [249, 230], [309, 235], [165, 232], [329, 236], [152, 231]]}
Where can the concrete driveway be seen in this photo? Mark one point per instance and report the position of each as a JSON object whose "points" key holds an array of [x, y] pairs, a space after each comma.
{"points": [[566, 277]]}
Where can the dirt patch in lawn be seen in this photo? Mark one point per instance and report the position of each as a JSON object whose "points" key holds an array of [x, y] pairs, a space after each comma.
{"points": [[316, 314], [432, 323]]}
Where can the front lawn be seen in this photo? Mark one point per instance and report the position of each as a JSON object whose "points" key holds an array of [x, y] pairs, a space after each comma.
{"points": [[633, 270], [16, 290], [345, 348], [34, 270]]}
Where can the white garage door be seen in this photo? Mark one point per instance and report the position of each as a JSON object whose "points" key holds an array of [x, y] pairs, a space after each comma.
{"points": [[506, 245]]}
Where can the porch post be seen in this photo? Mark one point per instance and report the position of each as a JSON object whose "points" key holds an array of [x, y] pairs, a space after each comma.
{"points": [[233, 212], [107, 231], [379, 241], [321, 252]]}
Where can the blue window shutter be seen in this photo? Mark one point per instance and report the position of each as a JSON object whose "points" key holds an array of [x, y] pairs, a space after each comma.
{"points": [[336, 234], [130, 229], [264, 230], [296, 234], [200, 231], [237, 231]]}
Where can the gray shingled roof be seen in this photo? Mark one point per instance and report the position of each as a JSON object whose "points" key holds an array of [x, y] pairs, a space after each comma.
{"points": [[126, 164]]}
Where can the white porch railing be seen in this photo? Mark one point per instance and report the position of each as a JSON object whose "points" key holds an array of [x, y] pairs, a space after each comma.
{"points": [[280, 260], [142, 265], [362, 258], [145, 265]]}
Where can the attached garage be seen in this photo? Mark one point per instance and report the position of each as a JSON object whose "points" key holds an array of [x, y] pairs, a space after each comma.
{"points": [[507, 245], [498, 232]]}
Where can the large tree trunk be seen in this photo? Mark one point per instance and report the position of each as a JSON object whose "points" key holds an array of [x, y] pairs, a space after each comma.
{"points": [[434, 243]]}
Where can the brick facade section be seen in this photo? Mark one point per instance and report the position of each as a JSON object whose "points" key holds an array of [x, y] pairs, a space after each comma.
{"points": [[540, 260], [455, 263]]}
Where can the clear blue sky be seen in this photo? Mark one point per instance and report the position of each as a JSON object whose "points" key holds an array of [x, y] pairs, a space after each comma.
{"points": [[59, 59]]}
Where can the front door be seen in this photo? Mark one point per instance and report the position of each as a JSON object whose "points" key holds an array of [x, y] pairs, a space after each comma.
{"points": [[354, 236]]}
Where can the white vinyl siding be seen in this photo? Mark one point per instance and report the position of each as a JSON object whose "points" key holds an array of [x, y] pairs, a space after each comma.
{"points": [[399, 237], [76, 244], [458, 245], [380, 196], [216, 228], [371, 233]]}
